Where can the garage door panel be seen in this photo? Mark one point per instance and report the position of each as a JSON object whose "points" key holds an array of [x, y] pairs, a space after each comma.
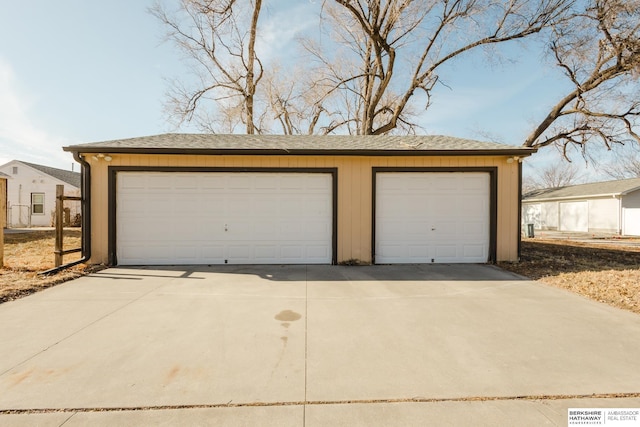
{"points": [[415, 231], [631, 221], [446, 207], [317, 183], [389, 251], [185, 253], [183, 200], [318, 252], [238, 206], [475, 228], [133, 203], [473, 251], [161, 253], [316, 204], [574, 216], [211, 182], [424, 217], [393, 229], [131, 184], [268, 183], [263, 230], [239, 182], [214, 254], [292, 252], [444, 229], [443, 185], [266, 252], [184, 183], [472, 185], [158, 182], [289, 204], [392, 183], [418, 251], [233, 217], [239, 251], [294, 186], [446, 251], [313, 229]]}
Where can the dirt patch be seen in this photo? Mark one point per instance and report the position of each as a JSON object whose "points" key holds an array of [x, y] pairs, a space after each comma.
{"points": [[27, 254], [608, 274]]}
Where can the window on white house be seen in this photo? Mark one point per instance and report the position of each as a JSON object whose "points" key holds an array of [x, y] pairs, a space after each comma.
{"points": [[14, 170], [37, 203]]}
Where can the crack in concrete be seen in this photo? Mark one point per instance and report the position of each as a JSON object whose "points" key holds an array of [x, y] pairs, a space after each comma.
{"points": [[326, 402], [306, 341]]}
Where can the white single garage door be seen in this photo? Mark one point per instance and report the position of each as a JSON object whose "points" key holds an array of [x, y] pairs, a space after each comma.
{"points": [[426, 217], [223, 217], [631, 221], [574, 216]]}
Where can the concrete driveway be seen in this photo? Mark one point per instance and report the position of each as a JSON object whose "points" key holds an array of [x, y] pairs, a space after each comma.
{"points": [[312, 345]]}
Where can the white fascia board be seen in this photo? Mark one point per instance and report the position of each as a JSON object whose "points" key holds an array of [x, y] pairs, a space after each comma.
{"points": [[591, 196]]}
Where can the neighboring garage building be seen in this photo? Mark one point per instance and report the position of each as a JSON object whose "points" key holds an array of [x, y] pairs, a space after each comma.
{"points": [[245, 199], [600, 207]]}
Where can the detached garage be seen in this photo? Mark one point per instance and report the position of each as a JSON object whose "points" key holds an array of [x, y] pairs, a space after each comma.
{"points": [[245, 199], [611, 207]]}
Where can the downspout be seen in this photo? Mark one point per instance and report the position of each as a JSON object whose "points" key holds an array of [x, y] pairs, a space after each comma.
{"points": [[621, 226], [85, 207], [519, 210]]}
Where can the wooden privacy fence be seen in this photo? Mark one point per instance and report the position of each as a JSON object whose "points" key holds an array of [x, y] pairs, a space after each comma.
{"points": [[59, 249]]}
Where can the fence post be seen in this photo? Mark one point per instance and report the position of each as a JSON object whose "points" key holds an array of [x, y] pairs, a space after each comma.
{"points": [[59, 225], [1, 246]]}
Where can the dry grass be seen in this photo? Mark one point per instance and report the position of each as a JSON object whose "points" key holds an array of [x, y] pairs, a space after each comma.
{"points": [[27, 254], [608, 274]]}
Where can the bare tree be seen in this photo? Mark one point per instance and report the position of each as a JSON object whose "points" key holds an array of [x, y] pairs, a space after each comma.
{"points": [[219, 37], [295, 102], [598, 50], [555, 175], [384, 58], [387, 52], [624, 168]]}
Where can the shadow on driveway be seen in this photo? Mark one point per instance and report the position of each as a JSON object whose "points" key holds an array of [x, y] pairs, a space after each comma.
{"points": [[320, 273]]}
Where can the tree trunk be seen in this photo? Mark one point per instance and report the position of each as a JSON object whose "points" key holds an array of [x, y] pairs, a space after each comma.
{"points": [[251, 84]]}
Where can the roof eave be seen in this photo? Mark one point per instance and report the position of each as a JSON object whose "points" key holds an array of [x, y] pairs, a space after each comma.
{"points": [[589, 196], [521, 152], [631, 190]]}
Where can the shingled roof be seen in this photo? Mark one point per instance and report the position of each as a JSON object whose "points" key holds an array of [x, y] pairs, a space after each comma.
{"points": [[594, 189], [71, 178], [174, 143]]}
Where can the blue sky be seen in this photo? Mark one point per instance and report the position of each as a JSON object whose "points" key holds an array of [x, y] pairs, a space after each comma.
{"points": [[76, 71]]}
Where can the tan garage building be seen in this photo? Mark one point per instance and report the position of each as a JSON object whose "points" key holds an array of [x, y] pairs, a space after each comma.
{"points": [[245, 199]]}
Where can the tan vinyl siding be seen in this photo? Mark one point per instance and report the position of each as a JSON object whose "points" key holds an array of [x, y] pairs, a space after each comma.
{"points": [[354, 192]]}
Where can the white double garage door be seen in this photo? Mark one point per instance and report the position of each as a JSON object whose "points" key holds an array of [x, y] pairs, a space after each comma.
{"points": [[289, 217]]}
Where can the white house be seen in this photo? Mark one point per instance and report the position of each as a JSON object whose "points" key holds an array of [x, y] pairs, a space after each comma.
{"points": [[31, 193], [599, 207]]}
